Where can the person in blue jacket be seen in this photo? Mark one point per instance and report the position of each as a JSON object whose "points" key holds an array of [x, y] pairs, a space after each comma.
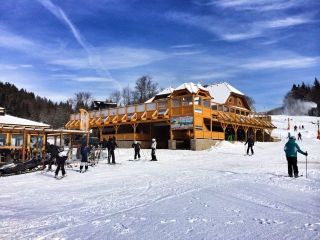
{"points": [[85, 150], [291, 148]]}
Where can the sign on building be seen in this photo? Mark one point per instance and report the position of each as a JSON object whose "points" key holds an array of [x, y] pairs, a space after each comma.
{"points": [[185, 122]]}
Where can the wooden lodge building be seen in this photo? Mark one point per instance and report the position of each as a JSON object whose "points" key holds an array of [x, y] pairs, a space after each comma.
{"points": [[189, 116], [21, 139]]}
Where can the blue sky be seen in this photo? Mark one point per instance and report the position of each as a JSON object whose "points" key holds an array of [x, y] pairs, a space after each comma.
{"points": [[59, 47]]}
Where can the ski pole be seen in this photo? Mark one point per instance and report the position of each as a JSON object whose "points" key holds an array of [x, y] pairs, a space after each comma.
{"points": [[306, 165]]}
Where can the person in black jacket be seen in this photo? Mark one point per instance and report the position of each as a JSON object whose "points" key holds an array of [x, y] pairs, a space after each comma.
{"points": [[113, 145], [137, 147], [108, 146], [61, 160], [250, 142], [54, 154], [104, 144]]}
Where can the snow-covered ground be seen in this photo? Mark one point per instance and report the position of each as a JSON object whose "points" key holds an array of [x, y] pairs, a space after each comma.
{"points": [[213, 194]]}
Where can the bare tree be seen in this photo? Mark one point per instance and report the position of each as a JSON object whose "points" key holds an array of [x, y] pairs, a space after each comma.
{"points": [[250, 102], [127, 95], [145, 88], [115, 96], [81, 100]]}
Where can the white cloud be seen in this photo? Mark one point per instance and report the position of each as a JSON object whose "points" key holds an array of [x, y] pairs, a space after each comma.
{"points": [[286, 22], [90, 79], [236, 31], [256, 5], [183, 46], [114, 58], [239, 36], [286, 63], [14, 66], [187, 53], [213, 75], [16, 42]]}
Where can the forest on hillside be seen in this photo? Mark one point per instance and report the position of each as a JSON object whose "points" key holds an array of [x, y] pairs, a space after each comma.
{"points": [[24, 104]]}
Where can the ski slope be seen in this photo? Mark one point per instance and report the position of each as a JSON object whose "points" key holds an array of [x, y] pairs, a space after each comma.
{"points": [[214, 194]]}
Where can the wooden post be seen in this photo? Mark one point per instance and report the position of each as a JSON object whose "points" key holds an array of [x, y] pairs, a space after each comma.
{"points": [[28, 141], [134, 131], [255, 134], [235, 128], [246, 133], [23, 152], [193, 114], [262, 134], [61, 139], [100, 133], [88, 138]]}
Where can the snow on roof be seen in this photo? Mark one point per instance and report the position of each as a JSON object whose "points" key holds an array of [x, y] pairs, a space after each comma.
{"points": [[149, 100], [221, 91], [191, 87], [11, 120], [165, 91]]}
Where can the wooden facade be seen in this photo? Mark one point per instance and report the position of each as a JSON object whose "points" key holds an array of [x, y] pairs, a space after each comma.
{"points": [[26, 139], [181, 115]]}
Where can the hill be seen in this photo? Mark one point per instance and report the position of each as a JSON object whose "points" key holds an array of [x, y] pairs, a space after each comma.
{"points": [[20, 103]]}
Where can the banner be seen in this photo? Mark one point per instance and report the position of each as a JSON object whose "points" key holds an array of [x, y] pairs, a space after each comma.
{"points": [[84, 120], [185, 122]]}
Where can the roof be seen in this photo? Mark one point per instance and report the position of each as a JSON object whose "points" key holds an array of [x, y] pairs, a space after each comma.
{"points": [[221, 91], [166, 91], [11, 120], [191, 87]]}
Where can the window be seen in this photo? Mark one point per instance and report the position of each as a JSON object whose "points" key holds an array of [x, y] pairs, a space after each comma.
{"points": [[187, 101], [237, 111], [220, 108], [214, 107], [225, 109], [239, 102], [36, 142], [3, 139], [197, 101], [206, 103], [176, 102], [16, 140]]}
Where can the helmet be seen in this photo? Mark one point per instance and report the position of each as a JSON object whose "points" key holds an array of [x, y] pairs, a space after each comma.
{"points": [[153, 139], [293, 137], [135, 142]]}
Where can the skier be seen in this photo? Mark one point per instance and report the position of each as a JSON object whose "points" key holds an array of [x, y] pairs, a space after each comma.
{"points": [[295, 128], [302, 127], [137, 147], [299, 136], [250, 142], [61, 160], [104, 143], [113, 145], [54, 154], [85, 150], [153, 150], [291, 148], [108, 146]]}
